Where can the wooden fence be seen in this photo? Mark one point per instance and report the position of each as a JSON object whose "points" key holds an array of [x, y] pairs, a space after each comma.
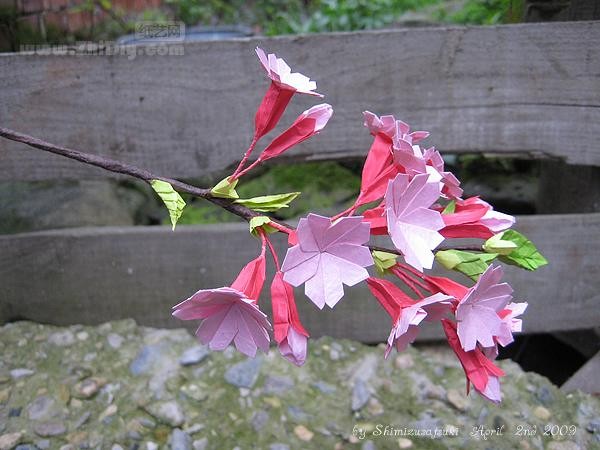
{"points": [[524, 90]]}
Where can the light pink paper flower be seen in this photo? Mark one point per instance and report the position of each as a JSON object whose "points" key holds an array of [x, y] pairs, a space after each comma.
{"points": [[477, 313], [392, 128], [327, 256], [412, 226], [278, 71], [510, 324], [406, 328], [227, 315], [494, 220]]}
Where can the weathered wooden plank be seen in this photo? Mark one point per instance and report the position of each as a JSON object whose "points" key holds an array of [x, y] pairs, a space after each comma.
{"points": [[525, 89], [586, 378], [96, 274]]}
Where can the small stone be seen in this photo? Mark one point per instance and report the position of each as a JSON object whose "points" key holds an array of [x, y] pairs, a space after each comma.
{"points": [[88, 387], [43, 444], [245, 373], [404, 361], [259, 420], [457, 400], [278, 446], [81, 420], [200, 444], [542, 413], [110, 411], [77, 437], [82, 335], [297, 413], [375, 407], [49, 429], [10, 440], [193, 355], [360, 395], [544, 395], [64, 395], [325, 388], [194, 391], [180, 440], [334, 355], [4, 394], [21, 373], [151, 445], [62, 338], [116, 447], [67, 447], [41, 408], [76, 403], [14, 412], [115, 340], [563, 445], [169, 413], [26, 447], [303, 433], [275, 384], [405, 443], [368, 445], [274, 402], [148, 357]]}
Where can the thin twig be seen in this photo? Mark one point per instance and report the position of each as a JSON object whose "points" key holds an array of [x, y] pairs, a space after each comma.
{"points": [[145, 175]]}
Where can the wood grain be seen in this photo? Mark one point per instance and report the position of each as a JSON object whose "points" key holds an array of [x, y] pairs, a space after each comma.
{"points": [[91, 275], [530, 89]]}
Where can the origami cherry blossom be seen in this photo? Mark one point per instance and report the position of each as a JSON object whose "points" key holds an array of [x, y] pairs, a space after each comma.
{"points": [[290, 335], [284, 84], [390, 127], [510, 324], [327, 256], [406, 329], [477, 313], [227, 315], [479, 370], [230, 313], [412, 226]]}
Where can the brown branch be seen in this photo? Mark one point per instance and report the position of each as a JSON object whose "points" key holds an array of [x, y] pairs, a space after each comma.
{"points": [[127, 169]]}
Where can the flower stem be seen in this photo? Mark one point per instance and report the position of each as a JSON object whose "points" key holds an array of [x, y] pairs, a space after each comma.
{"points": [[245, 158]]}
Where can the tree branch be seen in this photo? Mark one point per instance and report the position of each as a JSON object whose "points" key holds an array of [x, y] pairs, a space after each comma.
{"points": [[145, 175]]}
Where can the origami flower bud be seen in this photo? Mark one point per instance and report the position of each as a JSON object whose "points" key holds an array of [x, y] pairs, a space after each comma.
{"points": [[290, 335], [309, 123], [251, 279], [284, 84], [474, 218], [479, 370]]}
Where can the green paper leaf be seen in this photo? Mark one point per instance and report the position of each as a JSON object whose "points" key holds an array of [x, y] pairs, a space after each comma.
{"points": [[383, 261], [268, 203], [467, 263], [261, 222], [526, 255], [225, 189], [171, 199], [496, 244], [450, 208]]}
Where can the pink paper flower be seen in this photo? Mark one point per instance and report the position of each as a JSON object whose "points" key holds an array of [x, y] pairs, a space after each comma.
{"points": [[227, 315], [477, 313], [412, 226], [327, 256], [290, 335], [406, 328], [309, 123], [281, 74], [479, 370], [510, 324], [392, 128], [284, 84], [230, 314]]}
